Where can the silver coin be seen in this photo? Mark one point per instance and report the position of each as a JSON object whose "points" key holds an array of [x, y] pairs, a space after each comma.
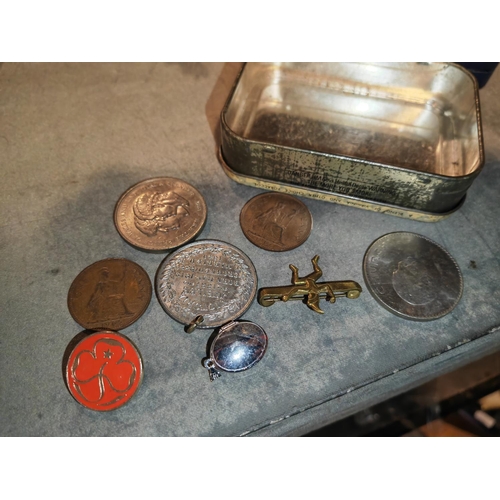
{"points": [[412, 276], [206, 278]]}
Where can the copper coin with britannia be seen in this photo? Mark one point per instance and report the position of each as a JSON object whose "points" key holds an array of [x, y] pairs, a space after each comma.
{"points": [[160, 214], [276, 221], [110, 293]]}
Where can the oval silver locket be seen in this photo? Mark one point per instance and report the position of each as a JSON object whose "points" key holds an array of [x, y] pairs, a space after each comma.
{"points": [[238, 346]]}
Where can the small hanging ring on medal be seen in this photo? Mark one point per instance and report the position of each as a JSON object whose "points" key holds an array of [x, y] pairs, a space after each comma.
{"points": [[206, 284], [236, 347]]}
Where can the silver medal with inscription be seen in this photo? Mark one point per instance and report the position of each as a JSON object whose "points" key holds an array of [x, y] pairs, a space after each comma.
{"points": [[206, 284], [412, 276]]}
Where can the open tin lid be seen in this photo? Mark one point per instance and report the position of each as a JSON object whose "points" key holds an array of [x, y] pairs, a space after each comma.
{"points": [[403, 134]]}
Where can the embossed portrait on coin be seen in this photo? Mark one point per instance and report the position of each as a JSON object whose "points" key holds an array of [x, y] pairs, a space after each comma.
{"points": [[159, 212], [413, 281]]}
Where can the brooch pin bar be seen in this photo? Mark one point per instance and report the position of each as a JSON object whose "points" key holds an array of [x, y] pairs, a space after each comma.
{"points": [[308, 290]]}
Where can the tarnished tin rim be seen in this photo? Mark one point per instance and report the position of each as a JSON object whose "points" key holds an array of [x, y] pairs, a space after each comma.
{"points": [[474, 173], [478, 116], [322, 195]]}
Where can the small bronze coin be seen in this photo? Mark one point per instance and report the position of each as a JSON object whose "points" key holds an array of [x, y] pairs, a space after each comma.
{"points": [[111, 293], [412, 276], [276, 221], [160, 214]]}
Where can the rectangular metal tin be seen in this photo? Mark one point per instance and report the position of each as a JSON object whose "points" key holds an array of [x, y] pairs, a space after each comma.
{"points": [[402, 138]]}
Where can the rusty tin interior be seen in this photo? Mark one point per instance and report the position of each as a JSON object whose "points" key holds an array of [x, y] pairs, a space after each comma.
{"points": [[401, 138]]}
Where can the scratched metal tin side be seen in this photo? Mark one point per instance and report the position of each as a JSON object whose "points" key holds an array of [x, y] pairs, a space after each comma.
{"points": [[318, 194], [364, 180]]}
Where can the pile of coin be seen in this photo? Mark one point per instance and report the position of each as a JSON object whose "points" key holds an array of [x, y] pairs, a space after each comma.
{"points": [[211, 284], [204, 284], [103, 367]]}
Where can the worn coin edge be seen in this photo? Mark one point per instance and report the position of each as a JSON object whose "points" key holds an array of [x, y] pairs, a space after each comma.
{"points": [[396, 312]]}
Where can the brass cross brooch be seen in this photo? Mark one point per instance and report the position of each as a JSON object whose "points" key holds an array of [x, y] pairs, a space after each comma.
{"points": [[306, 289]]}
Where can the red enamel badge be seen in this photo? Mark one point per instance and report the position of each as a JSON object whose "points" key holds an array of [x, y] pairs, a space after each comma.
{"points": [[104, 371]]}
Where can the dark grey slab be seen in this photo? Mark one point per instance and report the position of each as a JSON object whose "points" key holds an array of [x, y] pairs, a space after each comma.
{"points": [[74, 137]]}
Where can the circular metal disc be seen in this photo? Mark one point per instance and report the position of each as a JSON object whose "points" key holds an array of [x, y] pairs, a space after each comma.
{"points": [[103, 371], [238, 346], [276, 221], [209, 278], [110, 293], [160, 214], [412, 277]]}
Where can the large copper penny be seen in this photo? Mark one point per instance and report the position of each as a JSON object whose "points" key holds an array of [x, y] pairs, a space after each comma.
{"points": [[160, 214], [276, 221], [412, 276], [103, 371], [206, 278], [111, 293]]}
